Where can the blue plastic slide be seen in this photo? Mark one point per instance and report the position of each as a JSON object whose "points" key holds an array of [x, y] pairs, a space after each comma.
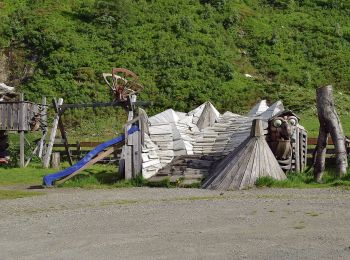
{"points": [[49, 180]]}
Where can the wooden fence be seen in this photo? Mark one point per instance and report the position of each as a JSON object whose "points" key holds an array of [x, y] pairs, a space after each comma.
{"points": [[80, 149]]}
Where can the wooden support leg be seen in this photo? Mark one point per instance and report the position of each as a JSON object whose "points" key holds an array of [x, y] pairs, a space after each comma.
{"points": [[46, 161]]}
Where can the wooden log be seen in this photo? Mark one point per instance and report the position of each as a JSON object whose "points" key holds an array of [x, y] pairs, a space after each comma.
{"points": [[329, 124], [55, 160], [46, 161]]}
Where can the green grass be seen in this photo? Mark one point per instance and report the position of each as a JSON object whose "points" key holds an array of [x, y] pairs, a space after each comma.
{"points": [[306, 180], [96, 175], [14, 194], [28, 176], [309, 120]]}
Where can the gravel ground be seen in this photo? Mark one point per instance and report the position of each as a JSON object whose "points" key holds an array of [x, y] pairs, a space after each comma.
{"points": [[146, 223]]}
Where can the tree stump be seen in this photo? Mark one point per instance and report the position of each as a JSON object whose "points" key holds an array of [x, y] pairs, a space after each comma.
{"points": [[329, 124]]}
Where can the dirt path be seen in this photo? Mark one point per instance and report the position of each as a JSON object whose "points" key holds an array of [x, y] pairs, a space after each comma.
{"points": [[145, 223]]}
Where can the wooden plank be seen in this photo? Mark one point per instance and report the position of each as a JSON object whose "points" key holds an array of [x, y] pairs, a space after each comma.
{"points": [[136, 150], [128, 159], [305, 149], [46, 161], [245, 182], [297, 150], [63, 131], [254, 174], [15, 117], [301, 150], [313, 141], [89, 144]]}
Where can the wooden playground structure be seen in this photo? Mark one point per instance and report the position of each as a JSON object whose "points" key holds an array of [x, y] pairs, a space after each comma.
{"points": [[226, 151], [22, 116]]}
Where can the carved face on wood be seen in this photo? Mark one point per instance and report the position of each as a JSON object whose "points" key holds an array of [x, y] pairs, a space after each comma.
{"points": [[281, 129]]}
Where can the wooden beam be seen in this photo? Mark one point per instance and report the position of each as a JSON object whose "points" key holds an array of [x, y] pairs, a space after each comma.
{"points": [[63, 131], [105, 104], [46, 161]]}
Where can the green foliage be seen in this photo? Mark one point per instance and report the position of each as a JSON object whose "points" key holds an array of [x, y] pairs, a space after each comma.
{"points": [[185, 52]]}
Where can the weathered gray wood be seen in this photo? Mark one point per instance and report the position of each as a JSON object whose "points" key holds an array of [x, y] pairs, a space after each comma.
{"points": [[46, 161], [305, 150], [21, 134], [55, 160], [242, 167], [297, 150], [128, 162], [329, 124], [63, 132], [136, 154], [43, 117]]}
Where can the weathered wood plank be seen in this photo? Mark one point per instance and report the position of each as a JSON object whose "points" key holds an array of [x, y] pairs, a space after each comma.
{"points": [[46, 161]]}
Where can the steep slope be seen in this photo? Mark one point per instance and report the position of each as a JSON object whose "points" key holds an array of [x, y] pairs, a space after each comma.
{"points": [[186, 52]]}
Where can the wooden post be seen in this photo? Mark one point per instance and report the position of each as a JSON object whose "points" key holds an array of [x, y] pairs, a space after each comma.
{"points": [[44, 127], [297, 150], [125, 163], [136, 154], [46, 161], [63, 131], [78, 151], [56, 160], [21, 133], [329, 124]]}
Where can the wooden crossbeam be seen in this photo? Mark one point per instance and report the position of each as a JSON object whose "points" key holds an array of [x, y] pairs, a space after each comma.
{"points": [[63, 107]]}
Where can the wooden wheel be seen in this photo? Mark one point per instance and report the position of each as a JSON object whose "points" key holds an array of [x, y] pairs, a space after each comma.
{"points": [[123, 83]]}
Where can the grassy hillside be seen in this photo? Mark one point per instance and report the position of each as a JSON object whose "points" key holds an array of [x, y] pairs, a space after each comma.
{"points": [[186, 51]]}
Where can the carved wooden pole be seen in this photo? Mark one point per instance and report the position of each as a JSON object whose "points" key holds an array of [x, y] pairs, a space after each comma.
{"points": [[329, 124]]}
